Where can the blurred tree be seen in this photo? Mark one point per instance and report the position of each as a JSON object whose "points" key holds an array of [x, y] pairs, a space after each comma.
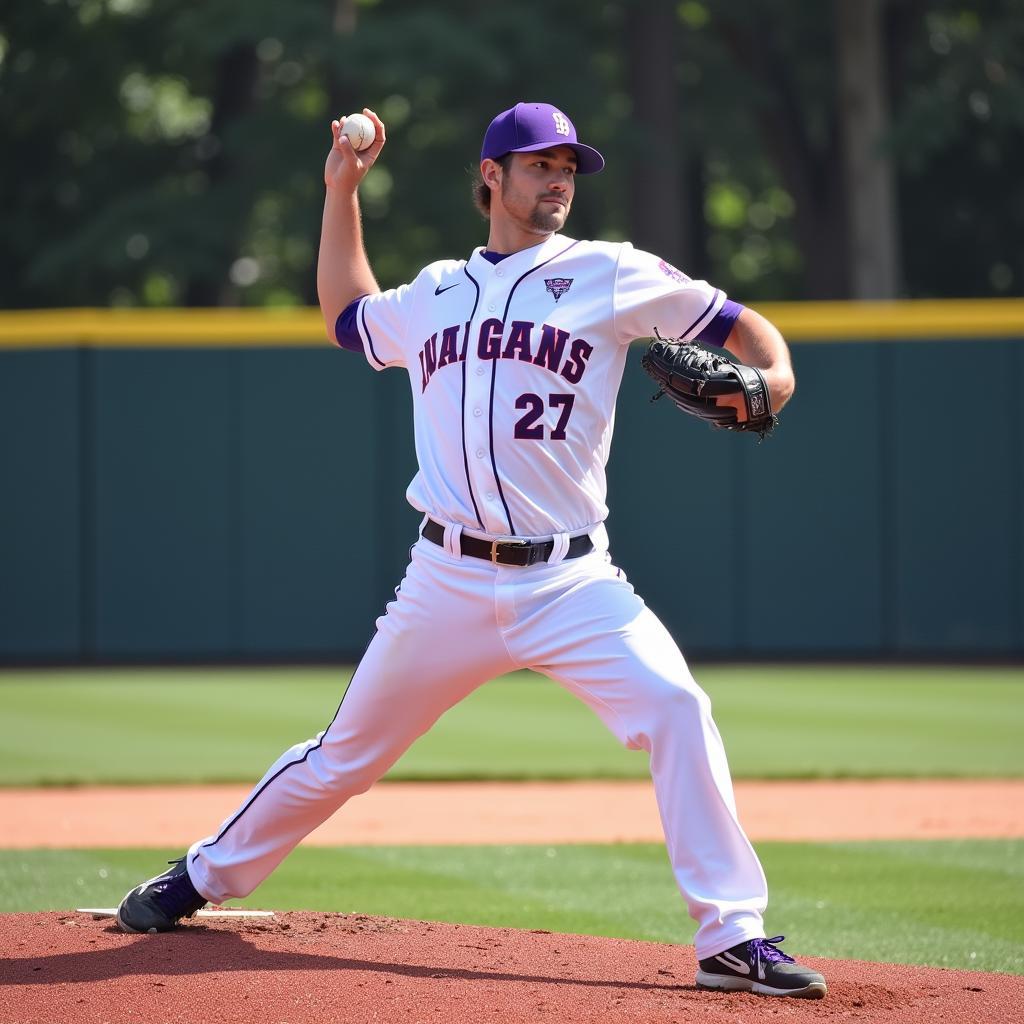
{"points": [[67, 99], [958, 139], [158, 153], [868, 179], [786, 54], [657, 187]]}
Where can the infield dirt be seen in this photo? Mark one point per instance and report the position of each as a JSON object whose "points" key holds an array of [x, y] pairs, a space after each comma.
{"points": [[526, 812]]}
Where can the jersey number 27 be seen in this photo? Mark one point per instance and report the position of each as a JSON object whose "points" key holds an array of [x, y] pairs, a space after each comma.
{"points": [[528, 429]]}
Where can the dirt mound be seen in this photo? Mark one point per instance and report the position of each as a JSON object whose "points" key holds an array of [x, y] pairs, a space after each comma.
{"points": [[306, 967]]}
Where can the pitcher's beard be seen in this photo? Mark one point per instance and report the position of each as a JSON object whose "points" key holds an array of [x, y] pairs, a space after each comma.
{"points": [[545, 220]]}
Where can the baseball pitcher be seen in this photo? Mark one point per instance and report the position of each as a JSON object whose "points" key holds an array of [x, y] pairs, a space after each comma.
{"points": [[514, 357]]}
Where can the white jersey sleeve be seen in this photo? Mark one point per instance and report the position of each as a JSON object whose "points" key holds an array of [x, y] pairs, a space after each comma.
{"points": [[650, 293], [383, 324]]}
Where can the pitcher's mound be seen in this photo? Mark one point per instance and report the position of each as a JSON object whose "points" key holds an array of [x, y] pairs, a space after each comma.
{"points": [[318, 968]]}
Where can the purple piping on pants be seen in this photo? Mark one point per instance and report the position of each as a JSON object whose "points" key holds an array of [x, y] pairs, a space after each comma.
{"points": [[291, 764]]}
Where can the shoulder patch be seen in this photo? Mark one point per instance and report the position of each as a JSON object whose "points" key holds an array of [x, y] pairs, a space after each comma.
{"points": [[669, 271]]}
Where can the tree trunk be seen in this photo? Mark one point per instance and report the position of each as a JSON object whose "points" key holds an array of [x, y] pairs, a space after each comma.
{"points": [[873, 253], [656, 188], [234, 96]]}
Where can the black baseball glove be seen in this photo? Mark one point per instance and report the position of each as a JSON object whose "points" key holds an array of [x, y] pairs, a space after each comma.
{"points": [[693, 376]]}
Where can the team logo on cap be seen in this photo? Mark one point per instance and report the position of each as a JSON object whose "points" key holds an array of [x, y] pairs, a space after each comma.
{"points": [[562, 125], [558, 286]]}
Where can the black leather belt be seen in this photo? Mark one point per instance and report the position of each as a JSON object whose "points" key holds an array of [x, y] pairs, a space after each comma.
{"points": [[509, 552]]}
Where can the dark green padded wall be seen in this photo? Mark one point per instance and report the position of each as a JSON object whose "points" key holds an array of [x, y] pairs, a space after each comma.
{"points": [[246, 504], [813, 529], [163, 509], [1015, 474], [675, 512], [40, 513], [772, 548], [304, 543], [956, 498]]}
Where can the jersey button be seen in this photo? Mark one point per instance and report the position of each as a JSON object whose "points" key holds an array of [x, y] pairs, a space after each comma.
{"points": [[479, 371], [477, 412], [479, 453], [500, 272], [491, 307]]}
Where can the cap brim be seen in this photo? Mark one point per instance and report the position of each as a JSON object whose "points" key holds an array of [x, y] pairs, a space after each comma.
{"points": [[588, 160]]}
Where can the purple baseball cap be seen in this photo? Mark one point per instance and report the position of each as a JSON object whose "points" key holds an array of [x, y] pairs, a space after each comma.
{"points": [[528, 127]]}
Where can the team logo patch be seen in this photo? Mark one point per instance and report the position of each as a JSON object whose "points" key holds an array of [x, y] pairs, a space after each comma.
{"points": [[561, 123], [669, 271], [558, 286]]}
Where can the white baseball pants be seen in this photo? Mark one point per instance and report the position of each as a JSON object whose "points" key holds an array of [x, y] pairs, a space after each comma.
{"points": [[459, 621]]}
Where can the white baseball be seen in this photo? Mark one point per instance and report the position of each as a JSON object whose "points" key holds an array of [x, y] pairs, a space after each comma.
{"points": [[360, 131]]}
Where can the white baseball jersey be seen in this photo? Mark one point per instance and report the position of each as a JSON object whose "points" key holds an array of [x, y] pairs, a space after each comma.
{"points": [[514, 370]]}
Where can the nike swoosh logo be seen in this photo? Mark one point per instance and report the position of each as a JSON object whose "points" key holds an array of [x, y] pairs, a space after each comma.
{"points": [[438, 290], [733, 962]]}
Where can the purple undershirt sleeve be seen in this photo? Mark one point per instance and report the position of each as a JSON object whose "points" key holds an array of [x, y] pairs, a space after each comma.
{"points": [[718, 330], [346, 330]]}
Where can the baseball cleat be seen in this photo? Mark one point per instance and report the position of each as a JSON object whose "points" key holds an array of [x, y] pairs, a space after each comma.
{"points": [[759, 966], [160, 903]]}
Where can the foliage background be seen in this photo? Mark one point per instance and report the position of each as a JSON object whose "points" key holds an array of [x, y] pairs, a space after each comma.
{"points": [[157, 153]]}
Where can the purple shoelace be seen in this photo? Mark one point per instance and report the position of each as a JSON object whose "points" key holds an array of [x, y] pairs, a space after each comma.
{"points": [[766, 950]]}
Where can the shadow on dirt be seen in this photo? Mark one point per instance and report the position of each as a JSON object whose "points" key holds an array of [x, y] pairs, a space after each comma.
{"points": [[196, 950]]}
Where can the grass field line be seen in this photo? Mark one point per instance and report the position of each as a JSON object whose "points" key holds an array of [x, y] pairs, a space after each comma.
{"points": [[524, 812]]}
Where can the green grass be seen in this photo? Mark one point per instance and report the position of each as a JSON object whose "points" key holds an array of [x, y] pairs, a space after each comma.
{"points": [[186, 725], [947, 904]]}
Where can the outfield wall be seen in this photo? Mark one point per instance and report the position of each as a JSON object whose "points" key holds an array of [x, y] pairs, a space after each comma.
{"points": [[202, 484]]}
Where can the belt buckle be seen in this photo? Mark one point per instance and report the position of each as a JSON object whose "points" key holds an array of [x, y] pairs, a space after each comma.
{"points": [[511, 543]]}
